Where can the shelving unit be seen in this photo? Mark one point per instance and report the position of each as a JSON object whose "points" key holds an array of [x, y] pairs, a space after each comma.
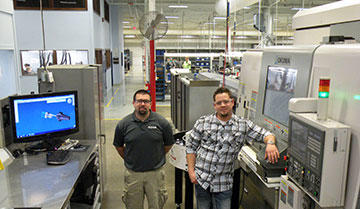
{"points": [[160, 57], [203, 62], [160, 75], [160, 82]]}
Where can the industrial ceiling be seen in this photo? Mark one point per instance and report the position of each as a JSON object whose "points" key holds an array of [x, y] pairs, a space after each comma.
{"points": [[201, 20]]}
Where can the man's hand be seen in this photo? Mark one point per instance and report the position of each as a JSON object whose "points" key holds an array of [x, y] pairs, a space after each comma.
{"points": [[192, 177], [272, 153], [190, 158]]}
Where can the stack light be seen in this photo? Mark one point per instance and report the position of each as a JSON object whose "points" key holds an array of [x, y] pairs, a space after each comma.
{"points": [[324, 88]]}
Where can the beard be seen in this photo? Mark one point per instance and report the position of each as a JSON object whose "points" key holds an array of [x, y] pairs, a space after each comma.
{"points": [[142, 111]]}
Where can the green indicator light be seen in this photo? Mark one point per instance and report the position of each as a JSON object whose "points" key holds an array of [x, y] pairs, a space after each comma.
{"points": [[323, 94], [357, 97]]}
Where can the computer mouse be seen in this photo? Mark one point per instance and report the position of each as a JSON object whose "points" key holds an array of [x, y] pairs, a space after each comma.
{"points": [[17, 153]]}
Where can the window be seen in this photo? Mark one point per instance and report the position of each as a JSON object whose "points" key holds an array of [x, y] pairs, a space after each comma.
{"points": [[50, 4], [106, 9]]}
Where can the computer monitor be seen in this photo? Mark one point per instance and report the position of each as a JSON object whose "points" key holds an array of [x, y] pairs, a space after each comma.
{"points": [[43, 116]]}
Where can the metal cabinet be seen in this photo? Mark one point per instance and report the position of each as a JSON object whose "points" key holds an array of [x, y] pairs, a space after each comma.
{"points": [[191, 98]]}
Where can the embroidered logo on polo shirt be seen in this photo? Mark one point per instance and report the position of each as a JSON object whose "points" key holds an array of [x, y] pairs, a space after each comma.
{"points": [[152, 127]]}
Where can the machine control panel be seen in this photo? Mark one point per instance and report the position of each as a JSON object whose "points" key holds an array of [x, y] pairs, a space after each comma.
{"points": [[317, 157]]}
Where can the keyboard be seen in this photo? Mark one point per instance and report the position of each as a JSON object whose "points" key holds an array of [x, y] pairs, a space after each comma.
{"points": [[58, 157]]}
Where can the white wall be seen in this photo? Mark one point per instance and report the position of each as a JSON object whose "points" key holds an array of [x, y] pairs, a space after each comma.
{"points": [[101, 31], [63, 30], [117, 43], [8, 73], [137, 53], [8, 76], [6, 24]]}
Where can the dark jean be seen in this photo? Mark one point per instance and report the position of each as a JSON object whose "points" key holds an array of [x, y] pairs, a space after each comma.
{"points": [[212, 200]]}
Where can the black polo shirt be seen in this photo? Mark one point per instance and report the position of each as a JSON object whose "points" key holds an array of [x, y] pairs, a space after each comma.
{"points": [[144, 141]]}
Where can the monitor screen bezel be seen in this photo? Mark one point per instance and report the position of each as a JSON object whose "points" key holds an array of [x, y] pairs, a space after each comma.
{"points": [[46, 135]]}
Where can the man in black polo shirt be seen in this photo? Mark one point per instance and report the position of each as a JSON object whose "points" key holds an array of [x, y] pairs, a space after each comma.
{"points": [[142, 139]]}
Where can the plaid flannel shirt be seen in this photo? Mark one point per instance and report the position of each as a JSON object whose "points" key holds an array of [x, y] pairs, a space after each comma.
{"points": [[216, 145]]}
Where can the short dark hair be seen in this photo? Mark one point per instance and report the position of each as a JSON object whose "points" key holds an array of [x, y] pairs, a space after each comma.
{"points": [[221, 90], [141, 91]]}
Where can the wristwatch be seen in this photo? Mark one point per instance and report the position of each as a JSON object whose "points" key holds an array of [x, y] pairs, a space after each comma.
{"points": [[270, 142]]}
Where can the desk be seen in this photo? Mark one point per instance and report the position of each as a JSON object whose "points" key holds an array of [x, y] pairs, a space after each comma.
{"points": [[30, 182]]}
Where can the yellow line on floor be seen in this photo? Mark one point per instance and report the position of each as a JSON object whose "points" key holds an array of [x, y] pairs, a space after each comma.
{"points": [[108, 104], [113, 119]]}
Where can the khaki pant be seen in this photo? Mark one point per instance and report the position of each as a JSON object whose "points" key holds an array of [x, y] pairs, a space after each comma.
{"points": [[139, 184]]}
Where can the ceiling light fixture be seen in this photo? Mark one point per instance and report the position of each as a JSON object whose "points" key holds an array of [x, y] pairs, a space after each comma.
{"points": [[210, 23], [241, 37], [187, 36], [166, 22], [298, 9], [126, 22], [129, 36], [220, 18], [246, 7], [178, 6], [171, 17]]}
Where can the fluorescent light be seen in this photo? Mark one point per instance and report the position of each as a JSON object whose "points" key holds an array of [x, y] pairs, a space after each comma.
{"points": [[241, 37], [126, 26], [220, 18], [126, 22], [129, 36], [246, 7], [216, 37], [187, 36], [295, 8], [166, 22], [178, 6], [210, 23], [171, 17], [291, 38]]}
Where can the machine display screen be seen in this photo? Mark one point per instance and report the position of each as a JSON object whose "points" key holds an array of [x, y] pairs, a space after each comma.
{"points": [[280, 86], [298, 139]]}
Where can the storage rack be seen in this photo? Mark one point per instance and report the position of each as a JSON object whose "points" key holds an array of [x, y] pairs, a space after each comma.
{"points": [[160, 75], [160, 82], [203, 62]]}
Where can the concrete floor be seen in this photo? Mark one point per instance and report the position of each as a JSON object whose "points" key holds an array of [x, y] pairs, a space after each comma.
{"points": [[119, 104]]}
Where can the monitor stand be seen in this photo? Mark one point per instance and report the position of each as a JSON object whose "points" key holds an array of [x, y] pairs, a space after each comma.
{"points": [[48, 144]]}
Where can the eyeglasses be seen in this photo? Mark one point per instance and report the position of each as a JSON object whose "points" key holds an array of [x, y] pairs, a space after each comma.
{"points": [[226, 102], [145, 101]]}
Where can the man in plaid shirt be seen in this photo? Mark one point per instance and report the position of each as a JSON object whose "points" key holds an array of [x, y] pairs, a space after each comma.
{"points": [[212, 149]]}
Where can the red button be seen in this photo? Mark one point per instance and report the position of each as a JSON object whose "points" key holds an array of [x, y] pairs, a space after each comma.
{"points": [[285, 168], [285, 157]]}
